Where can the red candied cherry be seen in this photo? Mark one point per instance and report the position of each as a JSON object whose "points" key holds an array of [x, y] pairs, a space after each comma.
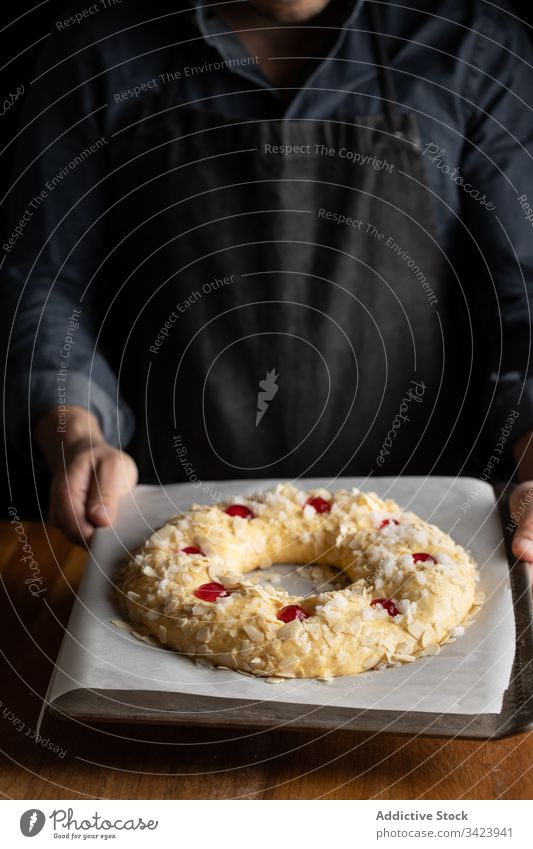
{"points": [[320, 504], [239, 510], [193, 549], [388, 604], [423, 557], [386, 522], [211, 591], [292, 611]]}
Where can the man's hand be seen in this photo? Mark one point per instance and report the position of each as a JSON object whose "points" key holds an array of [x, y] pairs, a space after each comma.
{"points": [[521, 501], [89, 475]]}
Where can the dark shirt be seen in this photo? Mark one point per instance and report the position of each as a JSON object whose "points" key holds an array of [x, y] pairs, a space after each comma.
{"points": [[464, 69]]}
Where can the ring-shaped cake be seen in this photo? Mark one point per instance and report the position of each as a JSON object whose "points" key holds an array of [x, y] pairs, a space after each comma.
{"points": [[411, 587]]}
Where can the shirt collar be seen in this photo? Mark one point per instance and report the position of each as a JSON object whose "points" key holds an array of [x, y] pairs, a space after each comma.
{"points": [[229, 46]]}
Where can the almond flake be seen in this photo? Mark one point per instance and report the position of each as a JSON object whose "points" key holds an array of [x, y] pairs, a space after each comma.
{"points": [[119, 623], [289, 630], [416, 629], [427, 636], [137, 635], [203, 635], [255, 634], [287, 663]]}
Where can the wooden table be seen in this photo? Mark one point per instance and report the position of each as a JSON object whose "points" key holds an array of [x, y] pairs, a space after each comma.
{"points": [[129, 762]]}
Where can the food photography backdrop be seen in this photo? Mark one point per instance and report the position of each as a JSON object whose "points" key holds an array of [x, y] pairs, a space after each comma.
{"points": [[64, 740]]}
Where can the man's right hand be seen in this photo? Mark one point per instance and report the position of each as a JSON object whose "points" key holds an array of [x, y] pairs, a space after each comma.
{"points": [[88, 474]]}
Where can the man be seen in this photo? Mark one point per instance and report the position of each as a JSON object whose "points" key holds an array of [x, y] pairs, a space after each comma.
{"points": [[273, 239]]}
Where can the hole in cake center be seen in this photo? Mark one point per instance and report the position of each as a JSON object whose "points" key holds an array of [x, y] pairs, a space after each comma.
{"points": [[298, 580]]}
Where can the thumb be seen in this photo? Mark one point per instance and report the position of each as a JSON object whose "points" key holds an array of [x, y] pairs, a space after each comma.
{"points": [[522, 511], [115, 474]]}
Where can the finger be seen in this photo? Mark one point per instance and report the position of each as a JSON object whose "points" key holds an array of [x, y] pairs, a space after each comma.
{"points": [[523, 536], [113, 477], [67, 503], [523, 546]]}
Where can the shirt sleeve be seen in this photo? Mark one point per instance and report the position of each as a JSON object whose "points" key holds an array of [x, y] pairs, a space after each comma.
{"points": [[497, 170], [52, 245]]}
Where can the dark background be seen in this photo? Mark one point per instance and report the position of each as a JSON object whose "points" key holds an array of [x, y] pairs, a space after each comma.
{"points": [[23, 24]]}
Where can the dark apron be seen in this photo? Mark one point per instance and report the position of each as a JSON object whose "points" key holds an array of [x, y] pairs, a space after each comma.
{"points": [[255, 333]]}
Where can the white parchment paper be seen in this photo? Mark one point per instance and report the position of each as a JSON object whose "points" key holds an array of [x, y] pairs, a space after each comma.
{"points": [[469, 675]]}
